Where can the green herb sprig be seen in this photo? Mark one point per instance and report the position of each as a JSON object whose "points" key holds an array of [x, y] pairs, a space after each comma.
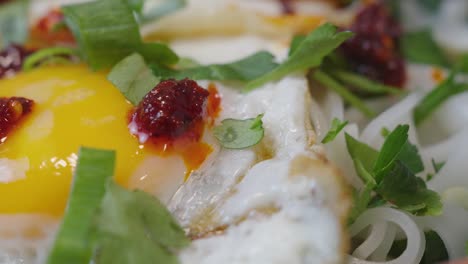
{"points": [[391, 174]]}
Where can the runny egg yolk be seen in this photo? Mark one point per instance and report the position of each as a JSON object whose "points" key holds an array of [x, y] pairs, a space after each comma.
{"points": [[73, 107]]}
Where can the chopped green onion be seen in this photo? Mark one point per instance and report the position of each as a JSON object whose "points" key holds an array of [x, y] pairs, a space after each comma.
{"points": [[133, 78], [14, 22], [44, 54], [105, 30], [72, 244], [239, 134], [306, 54], [336, 127], [327, 81]]}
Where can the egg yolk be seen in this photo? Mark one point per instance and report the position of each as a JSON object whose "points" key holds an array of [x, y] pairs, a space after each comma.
{"points": [[73, 107]]}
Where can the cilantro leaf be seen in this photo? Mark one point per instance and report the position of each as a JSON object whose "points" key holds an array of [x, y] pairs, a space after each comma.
{"points": [[419, 47], [134, 227], [408, 192], [133, 78], [364, 158], [239, 134], [410, 157], [387, 173], [437, 165], [13, 22], [244, 70], [309, 54], [390, 150], [436, 97], [336, 127]]}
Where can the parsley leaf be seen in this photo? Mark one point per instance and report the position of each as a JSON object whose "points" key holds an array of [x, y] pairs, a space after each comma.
{"points": [[244, 70], [408, 192], [390, 173], [390, 150], [239, 134], [419, 47], [13, 22], [436, 97], [309, 53], [133, 78], [336, 127]]}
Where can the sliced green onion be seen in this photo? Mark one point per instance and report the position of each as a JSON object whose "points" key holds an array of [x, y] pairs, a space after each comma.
{"points": [[44, 54], [327, 81], [72, 244], [105, 30]]}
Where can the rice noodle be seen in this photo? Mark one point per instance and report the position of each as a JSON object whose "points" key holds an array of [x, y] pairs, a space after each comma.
{"points": [[376, 217]]}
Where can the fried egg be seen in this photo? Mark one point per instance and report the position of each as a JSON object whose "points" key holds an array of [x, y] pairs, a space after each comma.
{"points": [[280, 201]]}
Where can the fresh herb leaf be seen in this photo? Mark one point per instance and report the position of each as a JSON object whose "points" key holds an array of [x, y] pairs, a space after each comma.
{"points": [[437, 165], [295, 42], [437, 96], [409, 156], [336, 127], [133, 78], [14, 22], [364, 84], [309, 53], [434, 252], [364, 158], [408, 192], [239, 134], [430, 5], [327, 81], [419, 47], [394, 181], [72, 244], [390, 149], [134, 227], [243, 70], [45, 54]]}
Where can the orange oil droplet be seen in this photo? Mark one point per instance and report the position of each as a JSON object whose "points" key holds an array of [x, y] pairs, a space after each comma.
{"points": [[437, 75]]}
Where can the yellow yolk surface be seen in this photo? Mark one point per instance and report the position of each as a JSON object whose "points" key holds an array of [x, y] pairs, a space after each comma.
{"points": [[73, 107]]}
